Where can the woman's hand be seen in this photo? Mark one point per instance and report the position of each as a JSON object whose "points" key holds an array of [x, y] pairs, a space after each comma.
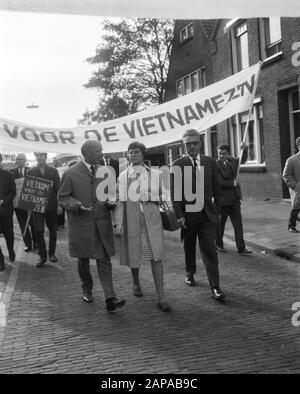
{"points": [[118, 230]]}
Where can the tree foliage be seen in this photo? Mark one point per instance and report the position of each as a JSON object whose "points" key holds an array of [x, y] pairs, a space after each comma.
{"points": [[132, 64]]}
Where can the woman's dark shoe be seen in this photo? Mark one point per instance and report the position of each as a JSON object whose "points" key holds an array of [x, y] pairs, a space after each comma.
{"points": [[41, 263], [53, 259], [113, 303], [12, 256], [137, 291], [164, 306]]}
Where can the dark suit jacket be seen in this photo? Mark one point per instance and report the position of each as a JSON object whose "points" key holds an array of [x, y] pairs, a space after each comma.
{"points": [[114, 164], [227, 175], [7, 192], [51, 174], [211, 190], [15, 172], [90, 233]]}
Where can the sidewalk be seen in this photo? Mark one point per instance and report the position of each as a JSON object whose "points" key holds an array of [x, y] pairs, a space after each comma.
{"points": [[265, 228]]}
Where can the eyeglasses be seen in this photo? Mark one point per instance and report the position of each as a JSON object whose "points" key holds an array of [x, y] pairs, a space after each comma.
{"points": [[192, 143], [135, 152]]}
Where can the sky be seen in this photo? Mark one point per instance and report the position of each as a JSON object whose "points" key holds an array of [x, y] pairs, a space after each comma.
{"points": [[43, 61]]}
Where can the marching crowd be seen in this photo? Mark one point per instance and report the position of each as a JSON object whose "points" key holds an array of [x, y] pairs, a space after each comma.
{"points": [[93, 224]]}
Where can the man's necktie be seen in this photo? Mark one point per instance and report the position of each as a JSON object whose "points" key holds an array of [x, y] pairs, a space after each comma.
{"points": [[92, 168]]}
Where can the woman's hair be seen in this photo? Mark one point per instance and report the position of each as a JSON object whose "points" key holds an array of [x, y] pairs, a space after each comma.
{"points": [[138, 145]]}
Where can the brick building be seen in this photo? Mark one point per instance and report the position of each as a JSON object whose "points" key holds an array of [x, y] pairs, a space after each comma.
{"points": [[206, 51]]}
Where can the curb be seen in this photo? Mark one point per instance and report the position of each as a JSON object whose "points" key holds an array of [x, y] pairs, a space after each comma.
{"points": [[270, 249]]}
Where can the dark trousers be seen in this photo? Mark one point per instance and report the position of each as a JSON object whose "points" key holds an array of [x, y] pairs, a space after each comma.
{"points": [[234, 212], [7, 228], [104, 268], [39, 219], [29, 237], [293, 217], [205, 231], [61, 218]]}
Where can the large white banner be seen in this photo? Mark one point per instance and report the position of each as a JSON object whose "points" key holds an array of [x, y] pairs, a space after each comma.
{"points": [[158, 125]]}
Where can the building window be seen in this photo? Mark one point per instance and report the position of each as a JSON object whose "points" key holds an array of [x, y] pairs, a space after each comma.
{"points": [[294, 110], [255, 137], [270, 32], [240, 47], [174, 152], [186, 33], [191, 82]]}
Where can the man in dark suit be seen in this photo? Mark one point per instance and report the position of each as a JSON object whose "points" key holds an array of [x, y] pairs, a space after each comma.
{"points": [[90, 227], [201, 221], [230, 197], [42, 170], [20, 172], [7, 194], [109, 162]]}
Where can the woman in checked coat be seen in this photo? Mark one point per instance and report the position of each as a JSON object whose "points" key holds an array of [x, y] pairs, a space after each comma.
{"points": [[138, 221]]}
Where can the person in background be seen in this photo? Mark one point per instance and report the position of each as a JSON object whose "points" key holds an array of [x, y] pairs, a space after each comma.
{"points": [[139, 223], [231, 197], [89, 223], [60, 211], [202, 223], [291, 176], [7, 195], [42, 170], [19, 172], [109, 162]]}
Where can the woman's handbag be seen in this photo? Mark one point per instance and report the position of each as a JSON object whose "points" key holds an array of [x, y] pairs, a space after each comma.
{"points": [[168, 216]]}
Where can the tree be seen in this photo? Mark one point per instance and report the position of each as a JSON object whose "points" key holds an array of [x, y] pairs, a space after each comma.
{"points": [[133, 61]]}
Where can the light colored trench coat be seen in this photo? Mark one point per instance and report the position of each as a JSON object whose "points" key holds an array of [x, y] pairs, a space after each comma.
{"points": [[291, 176], [128, 214], [90, 233]]}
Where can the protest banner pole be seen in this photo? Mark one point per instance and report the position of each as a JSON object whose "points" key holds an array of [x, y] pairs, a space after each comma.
{"points": [[29, 214], [247, 125]]}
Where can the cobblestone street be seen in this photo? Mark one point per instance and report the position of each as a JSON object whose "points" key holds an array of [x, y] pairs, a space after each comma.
{"points": [[46, 327]]}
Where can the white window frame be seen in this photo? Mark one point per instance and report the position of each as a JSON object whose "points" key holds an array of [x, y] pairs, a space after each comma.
{"points": [[201, 80], [291, 119], [263, 41], [185, 29], [234, 26], [257, 142]]}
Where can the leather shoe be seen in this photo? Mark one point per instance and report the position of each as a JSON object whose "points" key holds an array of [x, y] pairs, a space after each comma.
{"points": [[221, 249], [53, 259], [189, 280], [87, 297], [292, 230], [244, 251], [164, 306], [27, 249], [137, 291], [217, 294], [41, 263], [12, 257], [113, 303], [2, 265]]}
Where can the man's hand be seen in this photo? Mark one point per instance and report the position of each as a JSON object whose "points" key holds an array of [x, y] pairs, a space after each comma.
{"points": [[182, 222], [1, 202], [243, 145], [118, 230], [84, 209]]}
